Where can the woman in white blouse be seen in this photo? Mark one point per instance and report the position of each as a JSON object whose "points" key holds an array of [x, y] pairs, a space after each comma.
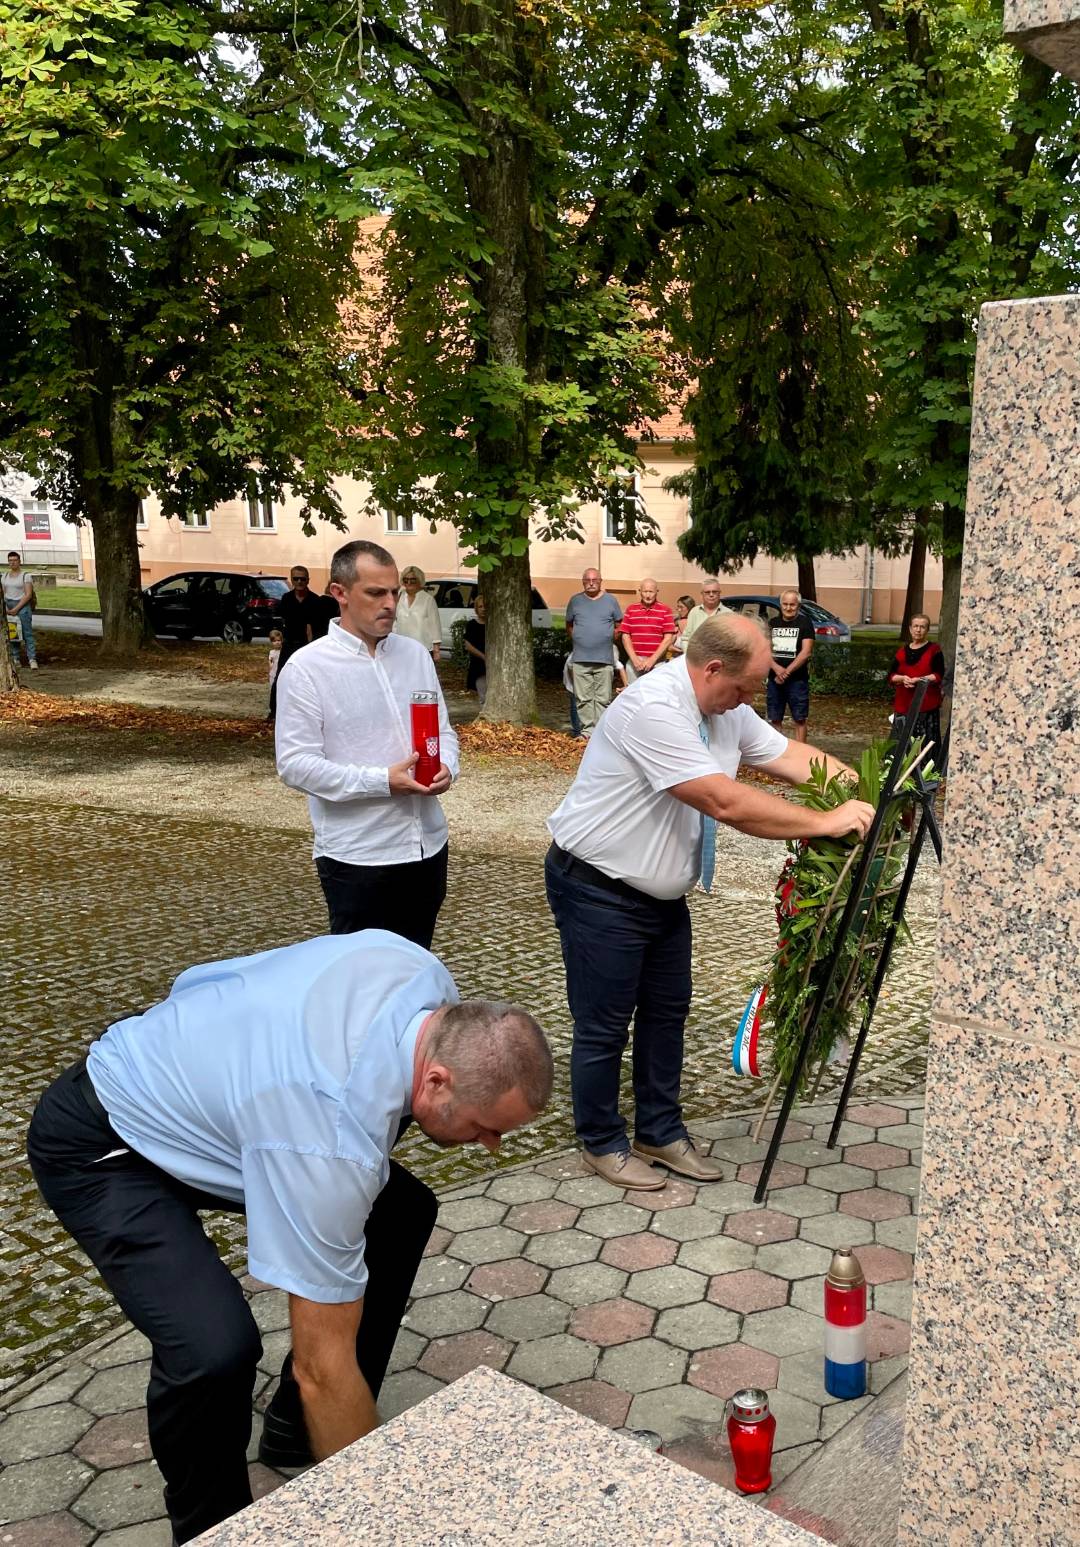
{"points": [[417, 614]]}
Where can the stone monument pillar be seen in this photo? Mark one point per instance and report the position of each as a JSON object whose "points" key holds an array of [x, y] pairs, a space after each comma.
{"points": [[992, 1447]]}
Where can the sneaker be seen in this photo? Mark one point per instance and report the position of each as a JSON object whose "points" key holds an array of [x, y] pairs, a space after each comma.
{"points": [[682, 1158], [622, 1169], [33, 666]]}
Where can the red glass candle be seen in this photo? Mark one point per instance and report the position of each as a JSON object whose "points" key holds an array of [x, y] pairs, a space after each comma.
{"points": [[425, 736], [751, 1429]]}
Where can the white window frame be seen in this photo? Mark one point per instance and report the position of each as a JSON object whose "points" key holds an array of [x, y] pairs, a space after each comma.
{"points": [[140, 518], [196, 521], [634, 481], [399, 523], [261, 513]]}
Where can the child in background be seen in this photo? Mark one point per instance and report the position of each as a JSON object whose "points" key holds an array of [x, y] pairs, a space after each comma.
{"points": [[277, 639]]}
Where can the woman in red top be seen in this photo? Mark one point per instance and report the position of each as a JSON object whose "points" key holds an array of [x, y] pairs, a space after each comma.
{"points": [[921, 658]]}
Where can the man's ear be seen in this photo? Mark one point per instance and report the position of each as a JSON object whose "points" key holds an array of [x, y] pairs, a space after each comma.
{"points": [[437, 1080]]}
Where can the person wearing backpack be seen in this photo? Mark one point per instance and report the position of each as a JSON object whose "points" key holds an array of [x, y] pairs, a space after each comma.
{"points": [[19, 598]]}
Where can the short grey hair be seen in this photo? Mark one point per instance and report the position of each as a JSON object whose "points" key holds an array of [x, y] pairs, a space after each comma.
{"points": [[729, 637], [491, 1048], [343, 564], [790, 590]]}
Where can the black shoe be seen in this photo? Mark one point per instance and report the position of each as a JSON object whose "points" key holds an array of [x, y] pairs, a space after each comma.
{"points": [[283, 1445]]}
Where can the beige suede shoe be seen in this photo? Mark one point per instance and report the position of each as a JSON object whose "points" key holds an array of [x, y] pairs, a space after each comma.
{"points": [[621, 1169], [682, 1158]]}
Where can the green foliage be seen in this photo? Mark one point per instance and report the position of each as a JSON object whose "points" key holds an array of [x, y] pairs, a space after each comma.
{"points": [[856, 670], [550, 649]]}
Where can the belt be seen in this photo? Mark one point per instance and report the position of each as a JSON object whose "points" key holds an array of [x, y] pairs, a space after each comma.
{"points": [[570, 865], [89, 1094]]}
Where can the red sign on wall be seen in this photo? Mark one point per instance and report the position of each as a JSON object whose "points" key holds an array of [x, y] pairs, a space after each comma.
{"points": [[37, 526]]}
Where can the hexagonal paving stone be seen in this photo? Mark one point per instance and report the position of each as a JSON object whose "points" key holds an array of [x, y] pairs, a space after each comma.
{"points": [[586, 1283], [408, 1346], [522, 1187], [719, 1127], [884, 1371], [793, 1259], [486, 1245], [270, 1310], [876, 1157], [894, 1300], [58, 1388], [886, 1336], [438, 1241], [45, 1431], [783, 1331], [748, 1290], [690, 1223], [404, 1390], [740, 1151], [804, 1376], [562, 1248], [840, 1178], [675, 1194], [115, 1441], [697, 1326], [722, 1371], [902, 1179], [638, 1251], [612, 1321], [546, 1214], [275, 1345], [675, 1411], [662, 1287], [726, 1197], [810, 1152], [758, 1226], [436, 1275], [835, 1230], [585, 1190], [876, 1115], [553, 1361], [133, 1346], [834, 1417], [642, 1366], [122, 1497], [565, 1167], [718, 1254], [794, 1131], [797, 1420], [57, 1530], [848, 1133], [899, 1233], [883, 1265], [439, 1315], [470, 1214], [450, 1358], [595, 1399], [808, 1294], [804, 1202], [508, 1279], [609, 1220], [875, 1203], [116, 1390], [908, 1136], [535, 1316], [784, 1174]]}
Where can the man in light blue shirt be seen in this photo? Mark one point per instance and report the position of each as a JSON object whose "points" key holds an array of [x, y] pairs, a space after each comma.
{"points": [[275, 1085]]}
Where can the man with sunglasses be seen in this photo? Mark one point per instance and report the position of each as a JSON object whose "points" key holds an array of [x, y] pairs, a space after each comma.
{"points": [[303, 618]]}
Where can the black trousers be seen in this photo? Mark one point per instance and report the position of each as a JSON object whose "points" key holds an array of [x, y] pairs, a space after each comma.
{"points": [[141, 1229], [404, 899]]}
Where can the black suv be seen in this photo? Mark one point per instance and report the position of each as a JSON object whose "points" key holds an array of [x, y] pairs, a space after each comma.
{"points": [[211, 602]]}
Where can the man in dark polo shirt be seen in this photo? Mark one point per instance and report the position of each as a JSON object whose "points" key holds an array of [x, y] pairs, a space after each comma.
{"points": [[304, 617], [788, 686]]}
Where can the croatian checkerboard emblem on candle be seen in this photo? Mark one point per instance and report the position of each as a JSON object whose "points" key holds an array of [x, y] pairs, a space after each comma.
{"points": [[845, 1326]]}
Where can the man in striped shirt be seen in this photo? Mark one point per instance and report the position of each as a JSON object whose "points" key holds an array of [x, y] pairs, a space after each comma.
{"points": [[647, 630]]}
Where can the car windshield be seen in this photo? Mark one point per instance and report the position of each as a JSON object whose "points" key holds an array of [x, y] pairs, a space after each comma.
{"points": [[273, 587]]}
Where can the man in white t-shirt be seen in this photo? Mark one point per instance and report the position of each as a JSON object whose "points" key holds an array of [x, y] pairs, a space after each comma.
{"points": [[18, 598], [627, 844]]}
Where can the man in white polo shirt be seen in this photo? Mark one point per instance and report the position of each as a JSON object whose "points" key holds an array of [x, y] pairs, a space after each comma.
{"points": [[627, 845]]}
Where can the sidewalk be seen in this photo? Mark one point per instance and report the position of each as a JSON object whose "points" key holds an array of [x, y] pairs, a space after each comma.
{"points": [[643, 1310]]}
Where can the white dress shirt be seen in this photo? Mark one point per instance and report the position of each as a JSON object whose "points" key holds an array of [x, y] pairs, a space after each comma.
{"points": [[618, 814], [419, 619], [342, 720]]}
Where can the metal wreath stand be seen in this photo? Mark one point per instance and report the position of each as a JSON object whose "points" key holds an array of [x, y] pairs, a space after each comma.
{"points": [[862, 906]]}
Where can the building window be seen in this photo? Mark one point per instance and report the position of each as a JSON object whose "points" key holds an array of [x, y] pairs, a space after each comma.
{"points": [[623, 508], [140, 519], [400, 521], [37, 523], [196, 519], [260, 506]]}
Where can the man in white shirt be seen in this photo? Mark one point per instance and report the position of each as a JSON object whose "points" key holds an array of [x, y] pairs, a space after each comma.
{"points": [[343, 736], [710, 606], [627, 848]]}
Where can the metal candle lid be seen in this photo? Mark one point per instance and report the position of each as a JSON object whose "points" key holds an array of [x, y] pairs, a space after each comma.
{"points": [[751, 1405], [844, 1270], [425, 698]]}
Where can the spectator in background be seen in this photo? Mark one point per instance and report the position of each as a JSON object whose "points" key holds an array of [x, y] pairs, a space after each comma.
{"points": [[683, 608], [417, 614], [301, 613], [592, 616], [618, 673], [19, 600], [277, 639], [329, 611], [788, 686], [647, 630], [921, 658], [709, 607], [476, 650]]}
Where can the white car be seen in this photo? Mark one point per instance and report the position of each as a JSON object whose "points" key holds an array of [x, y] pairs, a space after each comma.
{"points": [[454, 596]]}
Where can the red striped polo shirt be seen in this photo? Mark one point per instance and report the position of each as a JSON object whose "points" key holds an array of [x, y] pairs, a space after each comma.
{"points": [[646, 626]]}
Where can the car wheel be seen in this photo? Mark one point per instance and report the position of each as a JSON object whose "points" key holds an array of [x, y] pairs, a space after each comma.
{"points": [[234, 632]]}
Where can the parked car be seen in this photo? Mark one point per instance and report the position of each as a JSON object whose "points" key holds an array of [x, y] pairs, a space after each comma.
{"points": [[828, 628], [212, 602], [455, 594]]}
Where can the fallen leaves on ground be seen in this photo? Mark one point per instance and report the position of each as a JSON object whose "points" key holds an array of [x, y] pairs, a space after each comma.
{"points": [[489, 738], [49, 710]]}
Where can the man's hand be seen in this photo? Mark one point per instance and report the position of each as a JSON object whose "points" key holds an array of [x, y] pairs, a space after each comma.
{"points": [[780, 674], [854, 816], [436, 654], [402, 782]]}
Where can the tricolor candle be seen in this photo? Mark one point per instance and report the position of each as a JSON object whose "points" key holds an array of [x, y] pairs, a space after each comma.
{"points": [[845, 1326]]}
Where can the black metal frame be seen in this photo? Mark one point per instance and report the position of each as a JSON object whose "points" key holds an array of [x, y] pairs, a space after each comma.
{"points": [[926, 793]]}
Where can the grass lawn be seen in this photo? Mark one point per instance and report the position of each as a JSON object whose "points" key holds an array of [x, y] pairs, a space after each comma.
{"points": [[68, 598]]}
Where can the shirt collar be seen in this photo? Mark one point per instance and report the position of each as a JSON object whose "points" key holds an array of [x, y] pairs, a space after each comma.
{"points": [[350, 642], [407, 1053]]}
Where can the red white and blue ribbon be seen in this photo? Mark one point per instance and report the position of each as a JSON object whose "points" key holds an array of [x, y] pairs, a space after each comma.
{"points": [[744, 1055]]}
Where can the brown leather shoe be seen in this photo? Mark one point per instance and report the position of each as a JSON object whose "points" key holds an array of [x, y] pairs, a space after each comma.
{"points": [[621, 1169], [681, 1157]]}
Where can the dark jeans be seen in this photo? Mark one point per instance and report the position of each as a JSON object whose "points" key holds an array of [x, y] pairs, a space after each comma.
{"points": [[404, 899], [627, 955], [141, 1229]]}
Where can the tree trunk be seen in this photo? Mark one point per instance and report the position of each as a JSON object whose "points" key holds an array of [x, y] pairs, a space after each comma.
{"points": [[916, 575], [9, 682], [807, 580], [119, 582], [511, 683], [951, 565]]}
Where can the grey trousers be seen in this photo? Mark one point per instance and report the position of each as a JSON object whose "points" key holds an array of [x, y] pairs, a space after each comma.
{"points": [[592, 689]]}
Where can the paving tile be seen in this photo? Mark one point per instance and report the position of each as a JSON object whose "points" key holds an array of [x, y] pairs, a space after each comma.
{"points": [[875, 1114], [747, 1290], [708, 1455], [884, 1265], [912, 1103], [877, 1157], [564, 1167], [582, 1191], [809, 1152], [263, 1480], [553, 1361], [115, 1441], [784, 1462], [886, 1336], [508, 1279], [694, 1327], [275, 1345], [805, 1202], [875, 1203], [840, 1178], [45, 1431], [404, 1390], [726, 1197], [849, 1133], [804, 1376], [125, 1496], [586, 1283], [835, 1230], [793, 1132], [899, 1233], [784, 1174], [835, 1417], [470, 1190], [439, 1315], [609, 1322], [595, 1399], [545, 1214], [59, 1530], [436, 1275], [522, 1187], [723, 1371], [758, 1226], [783, 1331], [641, 1250], [470, 1214], [534, 1316], [719, 1127], [797, 1420], [794, 1259], [562, 1248], [663, 1287], [907, 1136], [60, 1388], [675, 1194], [270, 1310], [902, 1179], [450, 1358], [116, 1390], [740, 1151], [152, 1533], [438, 1241], [690, 1223], [894, 1300], [644, 1365], [488, 1244], [808, 1294], [884, 1371], [609, 1220], [128, 1349], [675, 1411], [718, 1254], [41, 1487], [408, 1346]]}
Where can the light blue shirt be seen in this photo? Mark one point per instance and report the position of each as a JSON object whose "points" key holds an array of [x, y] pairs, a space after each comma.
{"points": [[278, 1081]]}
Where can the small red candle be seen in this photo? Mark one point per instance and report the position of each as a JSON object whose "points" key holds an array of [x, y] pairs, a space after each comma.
{"points": [[751, 1430]]}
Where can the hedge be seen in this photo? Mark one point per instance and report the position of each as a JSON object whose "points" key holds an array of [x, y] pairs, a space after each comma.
{"points": [[550, 649]]}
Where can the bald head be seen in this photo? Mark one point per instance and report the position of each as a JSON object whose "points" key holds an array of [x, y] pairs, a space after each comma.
{"points": [[648, 590]]}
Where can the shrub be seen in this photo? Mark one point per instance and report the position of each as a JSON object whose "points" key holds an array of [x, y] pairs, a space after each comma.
{"points": [[550, 649], [857, 670]]}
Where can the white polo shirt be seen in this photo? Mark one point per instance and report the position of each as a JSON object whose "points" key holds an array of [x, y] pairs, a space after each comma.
{"points": [[618, 814]]}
